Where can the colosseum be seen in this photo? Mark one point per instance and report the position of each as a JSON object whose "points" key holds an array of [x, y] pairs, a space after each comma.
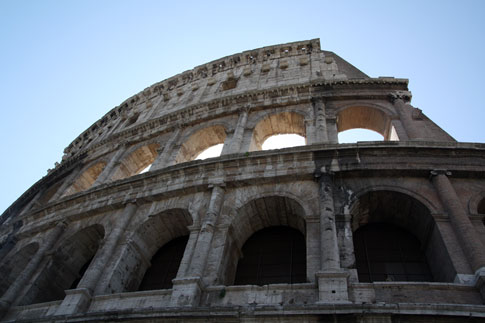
{"points": [[373, 231]]}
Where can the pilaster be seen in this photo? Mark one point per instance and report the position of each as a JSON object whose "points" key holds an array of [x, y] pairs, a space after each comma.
{"points": [[79, 299], [25, 276], [187, 290]]}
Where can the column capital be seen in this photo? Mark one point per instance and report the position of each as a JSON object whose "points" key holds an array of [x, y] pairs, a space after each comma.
{"points": [[219, 184], [405, 96], [318, 99], [323, 173], [436, 172], [244, 109]]}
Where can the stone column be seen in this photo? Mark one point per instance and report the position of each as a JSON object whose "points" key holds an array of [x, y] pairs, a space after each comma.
{"points": [[237, 138], [78, 300], [187, 291], [321, 135], [313, 248], [328, 231], [332, 130], [332, 280], [189, 251], [66, 184], [466, 233], [163, 157], [24, 277], [108, 169], [404, 110], [199, 259]]}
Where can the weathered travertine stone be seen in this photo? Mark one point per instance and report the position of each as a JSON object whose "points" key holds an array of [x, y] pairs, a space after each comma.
{"points": [[119, 261]]}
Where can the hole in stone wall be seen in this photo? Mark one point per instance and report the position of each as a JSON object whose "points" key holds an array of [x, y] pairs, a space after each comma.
{"points": [[283, 141], [273, 255], [86, 180], [387, 210], [385, 252], [199, 142], [360, 118], [164, 265], [137, 162], [211, 152], [283, 123], [358, 134]]}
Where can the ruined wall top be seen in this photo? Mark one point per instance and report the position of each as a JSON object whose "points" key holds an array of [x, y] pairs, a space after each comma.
{"points": [[268, 67]]}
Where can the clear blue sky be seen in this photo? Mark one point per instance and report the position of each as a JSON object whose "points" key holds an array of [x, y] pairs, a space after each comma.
{"points": [[64, 64]]}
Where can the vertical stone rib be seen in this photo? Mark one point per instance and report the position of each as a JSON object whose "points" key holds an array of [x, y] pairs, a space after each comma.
{"points": [[321, 135], [95, 269], [199, 259], [162, 160], [328, 231], [109, 168], [404, 110], [24, 277], [237, 137], [466, 233], [189, 252]]}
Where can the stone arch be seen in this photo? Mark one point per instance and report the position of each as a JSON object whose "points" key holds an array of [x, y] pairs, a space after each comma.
{"points": [[255, 215], [476, 205], [13, 265], [420, 198], [289, 122], [134, 162], [199, 141], [86, 179], [66, 265], [366, 117], [406, 212], [143, 243], [238, 204]]}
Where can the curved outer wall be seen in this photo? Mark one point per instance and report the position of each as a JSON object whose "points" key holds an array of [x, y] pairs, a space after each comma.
{"points": [[78, 243]]}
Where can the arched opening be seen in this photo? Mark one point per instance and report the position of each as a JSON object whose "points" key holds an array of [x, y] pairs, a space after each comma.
{"points": [[277, 124], [66, 267], [355, 135], [284, 217], [273, 255], [387, 221], [211, 152], [283, 141], [13, 266], [49, 193], [86, 180], [164, 265], [146, 252], [364, 119], [481, 207], [200, 141], [137, 162], [386, 252]]}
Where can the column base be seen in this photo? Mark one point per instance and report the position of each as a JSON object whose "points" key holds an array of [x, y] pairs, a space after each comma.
{"points": [[76, 301], [333, 286], [186, 291], [480, 282]]}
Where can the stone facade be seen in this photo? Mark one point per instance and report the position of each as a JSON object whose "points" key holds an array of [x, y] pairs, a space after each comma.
{"points": [[77, 245]]}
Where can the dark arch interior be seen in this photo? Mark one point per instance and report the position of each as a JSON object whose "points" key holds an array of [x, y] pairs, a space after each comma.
{"points": [[273, 255], [407, 213], [164, 265], [385, 252], [66, 266], [481, 207], [13, 266]]}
